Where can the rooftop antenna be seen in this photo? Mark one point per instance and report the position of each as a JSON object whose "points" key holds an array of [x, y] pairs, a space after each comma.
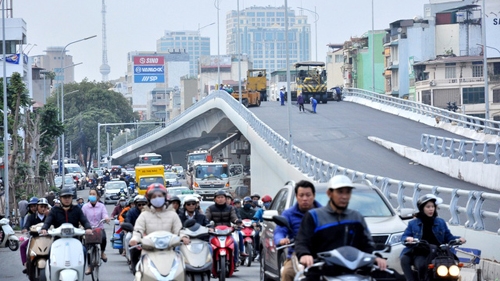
{"points": [[104, 69]]}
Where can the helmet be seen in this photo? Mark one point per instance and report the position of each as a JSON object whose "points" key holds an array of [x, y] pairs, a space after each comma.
{"points": [[155, 187], [267, 198], [56, 201], [247, 199], [426, 198], [43, 201], [130, 201], [33, 201], [140, 198], [228, 195], [81, 197], [255, 195], [174, 198], [237, 200], [65, 191], [340, 181], [219, 192], [122, 198], [191, 198]]}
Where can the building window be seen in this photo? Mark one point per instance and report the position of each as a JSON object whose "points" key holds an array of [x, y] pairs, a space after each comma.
{"points": [[496, 96], [477, 71], [473, 95], [450, 72], [339, 58]]}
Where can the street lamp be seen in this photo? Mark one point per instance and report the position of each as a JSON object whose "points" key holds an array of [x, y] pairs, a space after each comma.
{"points": [[316, 18], [289, 93], [199, 52], [239, 53], [62, 88], [218, 45], [44, 72]]}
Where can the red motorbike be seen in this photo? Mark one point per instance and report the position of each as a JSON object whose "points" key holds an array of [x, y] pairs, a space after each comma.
{"points": [[222, 244], [248, 232]]}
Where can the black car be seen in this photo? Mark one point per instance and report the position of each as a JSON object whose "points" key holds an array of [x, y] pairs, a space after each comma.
{"points": [[69, 182]]}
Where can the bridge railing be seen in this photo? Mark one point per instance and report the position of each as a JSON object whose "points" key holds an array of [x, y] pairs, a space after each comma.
{"points": [[443, 115], [322, 171], [463, 150]]}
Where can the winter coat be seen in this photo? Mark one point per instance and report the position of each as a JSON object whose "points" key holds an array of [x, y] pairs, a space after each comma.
{"points": [[151, 220]]}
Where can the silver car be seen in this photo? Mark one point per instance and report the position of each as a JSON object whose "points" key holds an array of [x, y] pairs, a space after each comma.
{"points": [[112, 191]]}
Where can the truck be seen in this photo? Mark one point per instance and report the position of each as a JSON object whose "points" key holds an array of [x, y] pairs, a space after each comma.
{"points": [[257, 81], [146, 175], [209, 177], [310, 81]]}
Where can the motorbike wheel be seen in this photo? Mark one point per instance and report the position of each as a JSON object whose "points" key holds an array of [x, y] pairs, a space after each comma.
{"points": [[41, 274], [120, 251], [13, 246], [249, 251], [197, 277], [222, 269]]}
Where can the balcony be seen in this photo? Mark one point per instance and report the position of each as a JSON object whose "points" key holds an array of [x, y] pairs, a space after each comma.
{"points": [[450, 81], [494, 78]]}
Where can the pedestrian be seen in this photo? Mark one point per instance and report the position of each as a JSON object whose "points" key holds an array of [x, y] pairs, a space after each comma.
{"points": [[23, 209], [300, 102], [314, 103], [282, 95]]}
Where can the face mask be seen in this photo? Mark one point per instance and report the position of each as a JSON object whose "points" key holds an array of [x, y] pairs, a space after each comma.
{"points": [[122, 204], [247, 206], [256, 203], [92, 198], [266, 205], [158, 202]]}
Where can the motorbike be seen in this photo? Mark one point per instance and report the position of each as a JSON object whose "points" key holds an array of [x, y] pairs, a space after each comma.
{"points": [[248, 233], [444, 264], [159, 260], [37, 253], [117, 240], [100, 190], [8, 236], [222, 244], [67, 260], [197, 255]]}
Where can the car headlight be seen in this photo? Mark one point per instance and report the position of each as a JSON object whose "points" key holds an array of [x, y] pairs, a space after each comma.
{"points": [[454, 270], [442, 270], [395, 238]]}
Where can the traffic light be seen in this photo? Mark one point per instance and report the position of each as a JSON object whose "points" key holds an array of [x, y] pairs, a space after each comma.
{"points": [[108, 129], [163, 122], [66, 151]]}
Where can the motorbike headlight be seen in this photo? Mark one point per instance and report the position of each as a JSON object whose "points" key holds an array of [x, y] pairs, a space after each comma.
{"points": [[454, 270], [442, 270], [395, 238]]}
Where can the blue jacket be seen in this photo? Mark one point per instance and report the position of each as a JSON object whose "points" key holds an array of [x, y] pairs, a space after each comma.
{"points": [[415, 227], [294, 217]]}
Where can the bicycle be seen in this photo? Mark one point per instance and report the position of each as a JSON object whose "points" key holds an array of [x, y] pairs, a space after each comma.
{"points": [[93, 243]]}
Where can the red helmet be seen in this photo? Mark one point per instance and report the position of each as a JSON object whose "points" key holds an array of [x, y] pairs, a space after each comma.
{"points": [[152, 188], [266, 199]]}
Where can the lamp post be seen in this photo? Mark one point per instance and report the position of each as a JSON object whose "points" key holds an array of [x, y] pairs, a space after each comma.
{"points": [[218, 45], [5, 123], [372, 46], [44, 72], [239, 53], [199, 53], [485, 64], [316, 18], [62, 89], [289, 93]]}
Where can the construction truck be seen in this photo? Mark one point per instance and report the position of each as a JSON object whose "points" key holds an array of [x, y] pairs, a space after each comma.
{"points": [[257, 81], [310, 81], [146, 175], [209, 177]]}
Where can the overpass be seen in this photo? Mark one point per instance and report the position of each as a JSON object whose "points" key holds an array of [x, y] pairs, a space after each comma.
{"points": [[476, 209]]}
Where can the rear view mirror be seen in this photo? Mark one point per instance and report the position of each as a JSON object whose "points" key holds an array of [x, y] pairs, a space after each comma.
{"points": [[282, 221], [127, 226]]}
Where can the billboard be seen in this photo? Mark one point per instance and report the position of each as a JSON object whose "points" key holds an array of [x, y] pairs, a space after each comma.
{"points": [[149, 69]]}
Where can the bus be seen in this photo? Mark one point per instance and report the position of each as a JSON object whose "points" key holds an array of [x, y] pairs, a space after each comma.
{"points": [[150, 159], [310, 81]]}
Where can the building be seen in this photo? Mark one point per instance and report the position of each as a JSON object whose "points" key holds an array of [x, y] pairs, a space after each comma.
{"points": [[278, 80], [228, 66], [262, 36], [334, 66], [51, 61], [189, 90], [15, 38], [191, 41]]}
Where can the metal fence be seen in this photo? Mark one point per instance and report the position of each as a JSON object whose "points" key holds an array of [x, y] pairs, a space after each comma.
{"points": [[443, 115], [401, 192], [463, 150]]}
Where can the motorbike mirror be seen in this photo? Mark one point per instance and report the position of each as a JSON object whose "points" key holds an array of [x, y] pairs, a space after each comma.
{"points": [[127, 226], [379, 247], [281, 221], [189, 223]]}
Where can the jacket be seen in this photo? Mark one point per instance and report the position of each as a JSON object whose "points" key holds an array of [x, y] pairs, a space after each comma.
{"points": [[300, 99], [95, 213], [73, 215], [117, 210], [415, 228], [151, 220], [294, 217], [221, 216], [324, 229], [247, 214], [201, 219], [33, 219], [132, 215], [123, 214]]}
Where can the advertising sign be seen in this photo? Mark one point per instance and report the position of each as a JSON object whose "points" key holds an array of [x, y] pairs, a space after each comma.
{"points": [[141, 69], [149, 69], [149, 78], [149, 60]]}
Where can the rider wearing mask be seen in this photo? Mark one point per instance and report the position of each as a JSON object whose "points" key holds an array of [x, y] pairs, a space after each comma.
{"points": [[95, 211], [247, 212], [426, 226], [33, 219], [153, 218], [140, 203], [119, 207], [333, 226]]}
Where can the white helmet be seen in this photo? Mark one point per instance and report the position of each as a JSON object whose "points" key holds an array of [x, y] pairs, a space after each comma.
{"points": [[340, 181], [191, 198]]}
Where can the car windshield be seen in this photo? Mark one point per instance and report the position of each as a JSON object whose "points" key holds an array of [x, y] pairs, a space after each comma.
{"points": [[177, 169], [145, 182], [170, 176], [179, 191], [211, 171], [115, 185], [68, 180], [76, 169]]}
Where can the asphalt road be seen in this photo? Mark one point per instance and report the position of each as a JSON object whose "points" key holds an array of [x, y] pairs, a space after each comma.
{"points": [[115, 269]]}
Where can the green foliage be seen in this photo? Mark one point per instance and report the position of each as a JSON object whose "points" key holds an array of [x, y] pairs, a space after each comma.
{"points": [[44, 169], [51, 128]]}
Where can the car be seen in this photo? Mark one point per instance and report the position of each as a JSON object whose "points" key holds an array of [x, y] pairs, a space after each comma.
{"points": [[112, 190], [69, 182], [179, 170], [75, 170], [385, 224], [171, 179]]}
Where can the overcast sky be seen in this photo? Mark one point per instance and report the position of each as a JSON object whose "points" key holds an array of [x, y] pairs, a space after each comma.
{"points": [[135, 25]]}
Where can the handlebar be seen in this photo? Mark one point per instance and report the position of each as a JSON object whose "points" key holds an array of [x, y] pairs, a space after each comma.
{"points": [[99, 223], [291, 244]]}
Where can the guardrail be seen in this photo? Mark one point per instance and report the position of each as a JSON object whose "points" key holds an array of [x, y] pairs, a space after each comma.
{"points": [[443, 115], [322, 171], [459, 149]]}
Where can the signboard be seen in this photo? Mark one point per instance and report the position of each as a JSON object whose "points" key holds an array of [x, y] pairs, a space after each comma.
{"points": [[149, 69]]}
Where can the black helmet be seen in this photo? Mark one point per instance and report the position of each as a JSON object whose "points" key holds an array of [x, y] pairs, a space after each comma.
{"points": [[237, 200], [426, 198], [220, 192], [255, 195], [65, 191], [228, 195], [174, 198]]}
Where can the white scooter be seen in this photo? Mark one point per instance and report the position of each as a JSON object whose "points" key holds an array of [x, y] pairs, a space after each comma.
{"points": [[67, 259], [197, 255], [8, 236], [159, 261]]}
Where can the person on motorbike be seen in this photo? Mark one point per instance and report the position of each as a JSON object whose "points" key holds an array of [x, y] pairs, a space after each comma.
{"points": [[122, 202], [426, 226], [123, 213], [255, 201], [95, 211], [189, 211], [174, 203], [223, 214], [333, 226], [79, 202], [229, 199], [140, 203], [305, 194], [247, 213], [32, 207], [156, 216], [33, 219], [237, 206]]}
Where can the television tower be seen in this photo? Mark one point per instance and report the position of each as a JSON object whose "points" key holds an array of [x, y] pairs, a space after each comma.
{"points": [[104, 69]]}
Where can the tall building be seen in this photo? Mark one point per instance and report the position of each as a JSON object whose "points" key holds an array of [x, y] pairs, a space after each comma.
{"points": [[192, 41], [262, 36], [52, 61]]}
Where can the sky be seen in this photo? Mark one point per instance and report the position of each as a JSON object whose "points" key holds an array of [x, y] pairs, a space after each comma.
{"points": [[136, 25]]}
